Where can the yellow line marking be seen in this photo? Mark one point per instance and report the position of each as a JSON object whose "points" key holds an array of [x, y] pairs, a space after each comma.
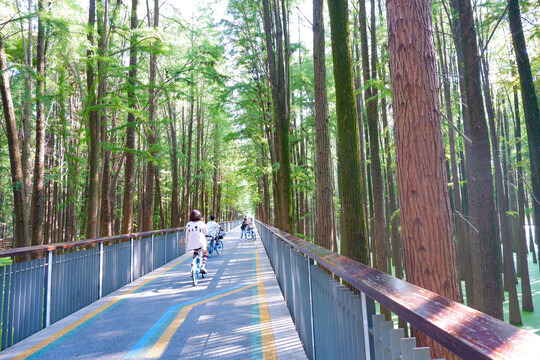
{"points": [[267, 332], [159, 347], [87, 317]]}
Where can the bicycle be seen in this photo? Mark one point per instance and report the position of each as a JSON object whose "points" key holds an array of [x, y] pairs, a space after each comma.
{"points": [[215, 244], [196, 265], [250, 234]]}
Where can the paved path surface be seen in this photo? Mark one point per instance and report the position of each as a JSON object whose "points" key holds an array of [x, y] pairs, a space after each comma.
{"points": [[236, 312]]}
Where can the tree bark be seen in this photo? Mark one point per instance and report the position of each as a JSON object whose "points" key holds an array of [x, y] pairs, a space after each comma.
{"points": [[428, 246], [354, 242], [323, 176], [487, 267], [530, 105]]}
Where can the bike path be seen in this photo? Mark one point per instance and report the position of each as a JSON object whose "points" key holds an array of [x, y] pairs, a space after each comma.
{"points": [[236, 312]]}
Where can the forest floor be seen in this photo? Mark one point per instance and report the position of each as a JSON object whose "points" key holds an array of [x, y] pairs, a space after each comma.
{"points": [[531, 320]]}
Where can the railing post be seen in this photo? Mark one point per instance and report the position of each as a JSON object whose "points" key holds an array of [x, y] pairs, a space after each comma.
{"points": [[100, 270], [49, 286], [311, 262], [177, 245], [132, 262], [365, 325], [152, 252]]}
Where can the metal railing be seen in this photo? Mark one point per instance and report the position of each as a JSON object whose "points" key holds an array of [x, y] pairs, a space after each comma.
{"points": [[334, 322], [69, 276]]}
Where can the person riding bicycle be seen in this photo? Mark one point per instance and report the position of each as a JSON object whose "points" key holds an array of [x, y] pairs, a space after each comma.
{"points": [[195, 234], [213, 227]]}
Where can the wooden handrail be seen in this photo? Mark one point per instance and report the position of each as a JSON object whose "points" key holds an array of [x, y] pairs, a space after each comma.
{"points": [[71, 244], [468, 333]]}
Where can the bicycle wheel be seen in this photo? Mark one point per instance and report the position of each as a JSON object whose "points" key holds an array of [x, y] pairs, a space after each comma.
{"points": [[195, 272], [219, 247]]}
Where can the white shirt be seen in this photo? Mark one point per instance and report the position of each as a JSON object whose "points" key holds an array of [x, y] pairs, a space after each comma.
{"points": [[213, 228], [195, 231]]}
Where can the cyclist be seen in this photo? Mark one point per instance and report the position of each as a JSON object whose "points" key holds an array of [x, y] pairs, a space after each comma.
{"points": [[195, 234], [213, 227], [244, 227]]}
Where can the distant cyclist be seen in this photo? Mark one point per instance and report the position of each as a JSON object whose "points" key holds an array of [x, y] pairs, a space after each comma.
{"points": [[195, 234]]}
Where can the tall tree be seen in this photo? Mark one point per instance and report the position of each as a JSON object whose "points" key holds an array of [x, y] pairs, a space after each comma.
{"points": [[531, 109], [273, 30], [486, 254], [151, 131], [36, 211], [129, 170], [21, 226], [354, 242], [426, 219], [94, 126], [521, 239], [381, 257], [325, 185]]}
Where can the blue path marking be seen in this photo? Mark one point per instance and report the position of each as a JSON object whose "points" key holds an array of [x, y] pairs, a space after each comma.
{"points": [[155, 332]]}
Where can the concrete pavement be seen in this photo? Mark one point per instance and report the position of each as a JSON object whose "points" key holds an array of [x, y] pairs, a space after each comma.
{"points": [[236, 312]]}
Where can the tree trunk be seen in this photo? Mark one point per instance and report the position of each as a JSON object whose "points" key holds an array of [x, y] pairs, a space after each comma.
{"points": [[36, 211], [397, 247], [94, 125], [487, 267], [504, 229], [530, 105], [526, 296], [428, 245], [151, 135], [21, 230], [129, 170], [461, 245], [278, 84], [354, 238], [470, 235], [323, 176], [175, 214], [187, 196], [106, 216], [379, 232]]}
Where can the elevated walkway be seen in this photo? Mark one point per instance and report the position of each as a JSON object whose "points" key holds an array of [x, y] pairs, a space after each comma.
{"points": [[236, 312]]}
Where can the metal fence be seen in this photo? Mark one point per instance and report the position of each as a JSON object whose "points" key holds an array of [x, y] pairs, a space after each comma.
{"points": [[70, 276], [335, 323]]}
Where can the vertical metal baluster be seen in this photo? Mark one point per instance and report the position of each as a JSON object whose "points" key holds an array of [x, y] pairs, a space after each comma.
{"points": [[132, 262], [310, 263], [365, 324], [101, 269], [152, 252], [49, 285]]}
